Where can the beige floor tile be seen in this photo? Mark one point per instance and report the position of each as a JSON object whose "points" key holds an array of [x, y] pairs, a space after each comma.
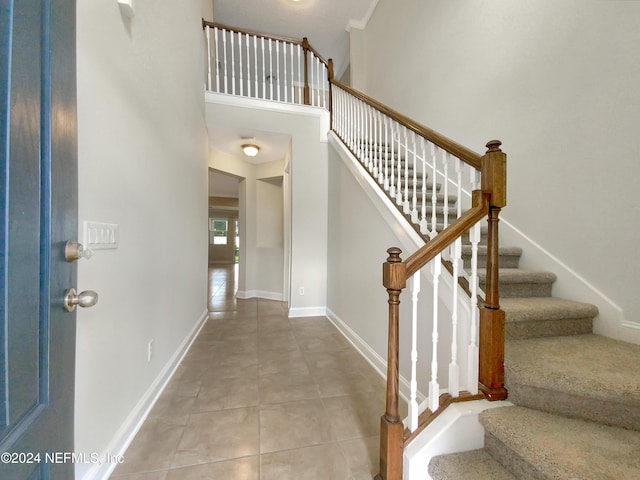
{"points": [[319, 462], [292, 425], [161, 475], [277, 361], [363, 457], [230, 393], [355, 416], [215, 436], [247, 468], [286, 387], [338, 382], [153, 447], [328, 343]]}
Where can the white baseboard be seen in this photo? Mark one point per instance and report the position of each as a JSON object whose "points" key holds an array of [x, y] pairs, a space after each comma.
{"points": [[260, 294], [128, 430], [307, 312], [376, 361]]}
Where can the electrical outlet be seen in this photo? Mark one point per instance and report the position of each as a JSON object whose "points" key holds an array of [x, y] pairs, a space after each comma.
{"points": [[301, 291], [149, 350]]}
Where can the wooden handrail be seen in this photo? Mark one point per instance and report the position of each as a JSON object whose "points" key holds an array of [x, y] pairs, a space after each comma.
{"points": [[295, 41], [447, 236], [253, 33], [463, 153]]}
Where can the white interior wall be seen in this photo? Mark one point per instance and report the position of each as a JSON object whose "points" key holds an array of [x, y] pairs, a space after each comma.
{"points": [[262, 230], [142, 165], [270, 239], [557, 82], [307, 182]]}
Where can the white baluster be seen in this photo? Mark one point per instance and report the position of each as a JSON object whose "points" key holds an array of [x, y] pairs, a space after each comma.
{"points": [[424, 225], [434, 386], [240, 63], [459, 166], [413, 398], [386, 154], [293, 97], [317, 84], [300, 79], [406, 207], [207, 31], [226, 70], [277, 69], [454, 369], [233, 64], [434, 193], [473, 351], [392, 183], [445, 182], [216, 38], [414, 193], [375, 149], [270, 69], [399, 179], [256, 94], [264, 70], [248, 38]]}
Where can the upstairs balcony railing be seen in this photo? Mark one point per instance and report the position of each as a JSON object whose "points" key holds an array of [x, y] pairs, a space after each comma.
{"points": [[444, 190], [266, 67]]}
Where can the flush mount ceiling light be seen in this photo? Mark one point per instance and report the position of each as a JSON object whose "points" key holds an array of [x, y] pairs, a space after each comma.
{"points": [[250, 150]]}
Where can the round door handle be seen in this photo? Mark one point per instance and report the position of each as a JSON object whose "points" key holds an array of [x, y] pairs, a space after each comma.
{"points": [[85, 299]]}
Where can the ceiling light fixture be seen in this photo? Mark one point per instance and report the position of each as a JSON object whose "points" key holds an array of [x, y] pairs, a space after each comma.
{"points": [[250, 150]]}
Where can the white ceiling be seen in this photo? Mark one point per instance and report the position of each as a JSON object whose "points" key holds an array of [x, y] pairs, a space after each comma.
{"points": [[323, 22], [273, 146]]}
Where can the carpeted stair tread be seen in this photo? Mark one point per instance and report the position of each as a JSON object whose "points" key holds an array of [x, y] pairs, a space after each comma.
{"points": [[530, 317], [527, 309], [581, 376], [516, 282], [509, 256], [537, 445], [472, 465]]}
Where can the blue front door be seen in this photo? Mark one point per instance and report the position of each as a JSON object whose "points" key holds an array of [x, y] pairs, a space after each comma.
{"points": [[38, 211]]}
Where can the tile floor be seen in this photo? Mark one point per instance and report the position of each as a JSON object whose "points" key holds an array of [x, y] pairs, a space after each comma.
{"points": [[260, 396]]}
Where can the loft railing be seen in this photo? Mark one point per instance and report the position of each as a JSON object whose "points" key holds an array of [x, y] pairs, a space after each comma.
{"points": [[266, 67], [443, 189]]}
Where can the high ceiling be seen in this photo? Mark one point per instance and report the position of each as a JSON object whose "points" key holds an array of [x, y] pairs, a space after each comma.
{"points": [[323, 22]]}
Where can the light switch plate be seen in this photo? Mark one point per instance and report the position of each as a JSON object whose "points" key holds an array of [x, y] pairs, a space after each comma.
{"points": [[100, 235]]}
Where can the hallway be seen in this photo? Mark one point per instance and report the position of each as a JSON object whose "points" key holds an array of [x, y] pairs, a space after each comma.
{"points": [[260, 396]]}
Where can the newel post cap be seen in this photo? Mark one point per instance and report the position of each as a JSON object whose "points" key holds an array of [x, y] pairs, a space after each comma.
{"points": [[394, 272]]}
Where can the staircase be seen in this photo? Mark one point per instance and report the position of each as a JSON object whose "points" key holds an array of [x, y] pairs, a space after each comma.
{"points": [[576, 394]]}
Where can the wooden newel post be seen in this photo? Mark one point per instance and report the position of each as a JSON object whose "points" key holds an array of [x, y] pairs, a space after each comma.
{"points": [[305, 51], [491, 375], [394, 278]]}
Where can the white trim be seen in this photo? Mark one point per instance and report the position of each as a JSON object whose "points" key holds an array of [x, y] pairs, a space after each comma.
{"points": [[272, 106], [129, 428], [376, 361], [260, 294], [408, 237], [362, 24], [457, 429], [307, 312]]}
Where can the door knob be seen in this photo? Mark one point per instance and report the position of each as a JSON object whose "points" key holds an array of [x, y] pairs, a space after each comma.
{"points": [[85, 299], [75, 251]]}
